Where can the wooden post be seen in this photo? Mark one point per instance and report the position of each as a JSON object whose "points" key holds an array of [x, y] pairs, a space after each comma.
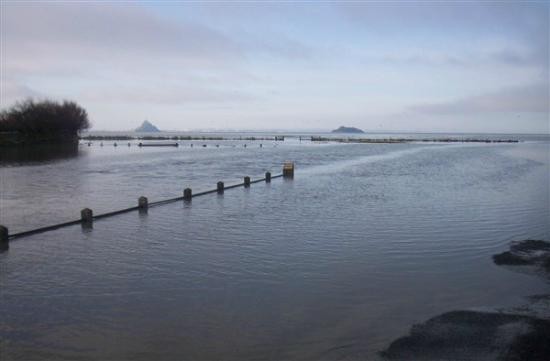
{"points": [[288, 170], [86, 217], [247, 181], [187, 194], [267, 177], [4, 239], [143, 203], [220, 187]]}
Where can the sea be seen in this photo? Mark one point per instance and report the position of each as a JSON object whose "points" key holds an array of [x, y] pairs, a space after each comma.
{"points": [[334, 264]]}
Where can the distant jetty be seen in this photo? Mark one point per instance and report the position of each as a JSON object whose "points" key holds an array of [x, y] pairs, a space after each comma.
{"points": [[147, 127], [343, 129], [408, 140], [91, 137]]}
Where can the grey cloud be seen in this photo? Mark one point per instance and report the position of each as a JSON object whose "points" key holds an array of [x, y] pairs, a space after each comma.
{"points": [[12, 91], [278, 46], [43, 29], [108, 29], [167, 95], [534, 57], [526, 18], [506, 57], [532, 98], [506, 23], [119, 52]]}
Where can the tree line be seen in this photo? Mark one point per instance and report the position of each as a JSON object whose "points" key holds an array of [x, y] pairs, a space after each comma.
{"points": [[29, 117]]}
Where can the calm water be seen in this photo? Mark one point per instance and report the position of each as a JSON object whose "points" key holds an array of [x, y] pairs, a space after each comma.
{"points": [[364, 242]]}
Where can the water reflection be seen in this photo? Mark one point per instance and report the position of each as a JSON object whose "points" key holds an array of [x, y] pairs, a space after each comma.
{"points": [[37, 154]]}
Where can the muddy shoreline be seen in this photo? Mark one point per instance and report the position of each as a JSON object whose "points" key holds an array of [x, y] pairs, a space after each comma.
{"points": [[521, 333]]}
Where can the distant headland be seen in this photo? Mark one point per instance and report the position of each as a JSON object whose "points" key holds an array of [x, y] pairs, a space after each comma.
{"points": [[343, 129], [147, 127]]}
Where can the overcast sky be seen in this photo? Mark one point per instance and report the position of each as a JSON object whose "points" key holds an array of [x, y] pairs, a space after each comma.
{"points": [[415, 66]]}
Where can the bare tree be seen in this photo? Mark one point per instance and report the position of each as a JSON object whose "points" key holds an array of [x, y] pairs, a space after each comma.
{"points": [[44, 117]]}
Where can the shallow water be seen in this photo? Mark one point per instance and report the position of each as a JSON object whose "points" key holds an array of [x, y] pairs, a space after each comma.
{"points": [[335, 264]]}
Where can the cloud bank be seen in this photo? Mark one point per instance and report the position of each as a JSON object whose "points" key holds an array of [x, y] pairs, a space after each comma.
{"points": [[283, 65]]}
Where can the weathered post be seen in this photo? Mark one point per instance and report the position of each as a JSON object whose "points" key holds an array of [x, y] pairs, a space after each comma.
{"points": [[143, 203], [4, 239], [220, 187], [86, 217], [288, 170], [267, 177], [187, 194], [247, 181]]}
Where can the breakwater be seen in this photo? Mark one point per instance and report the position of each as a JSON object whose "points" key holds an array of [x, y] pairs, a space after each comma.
{"points": [[407, 140], [88, 139], [87, 216], [176, 137]]}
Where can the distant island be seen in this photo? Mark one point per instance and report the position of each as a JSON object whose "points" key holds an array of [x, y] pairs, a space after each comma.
{"points": [[147, 127], [343, 129]]}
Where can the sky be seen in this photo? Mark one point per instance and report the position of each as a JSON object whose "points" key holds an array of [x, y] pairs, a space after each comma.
{"points": [[378, 65]]}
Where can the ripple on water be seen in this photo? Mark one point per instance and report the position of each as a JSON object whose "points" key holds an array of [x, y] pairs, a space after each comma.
{"points": [[366, 240]]}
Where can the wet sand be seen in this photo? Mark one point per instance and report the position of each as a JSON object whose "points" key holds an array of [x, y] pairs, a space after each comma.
{"points": [[520, 333]]}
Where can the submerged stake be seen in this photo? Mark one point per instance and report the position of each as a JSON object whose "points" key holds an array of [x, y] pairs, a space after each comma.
{"points": [[86, 216], [4, 239], [143, 203], [187, 194]]}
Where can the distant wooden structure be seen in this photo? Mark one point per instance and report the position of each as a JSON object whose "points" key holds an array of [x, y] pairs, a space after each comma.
{"points": [[158, 145]]}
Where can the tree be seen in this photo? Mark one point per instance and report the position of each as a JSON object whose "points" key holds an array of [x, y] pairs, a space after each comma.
{"points": [[44, 117]]}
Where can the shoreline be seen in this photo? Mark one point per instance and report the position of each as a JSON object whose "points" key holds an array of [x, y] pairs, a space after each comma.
{"points": [[518, 333]]}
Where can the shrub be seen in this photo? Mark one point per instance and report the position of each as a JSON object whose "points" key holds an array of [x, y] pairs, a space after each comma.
{"points": [[44, 117]]}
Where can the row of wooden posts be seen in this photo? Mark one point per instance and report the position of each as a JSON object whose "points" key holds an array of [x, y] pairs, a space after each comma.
{"points": [[87, 216]]}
